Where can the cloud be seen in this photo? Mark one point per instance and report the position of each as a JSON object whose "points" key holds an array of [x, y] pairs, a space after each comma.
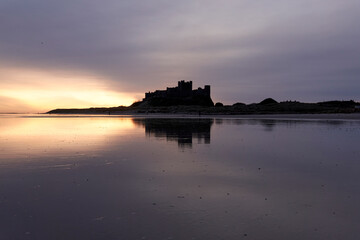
{"points": [[246, 50]]}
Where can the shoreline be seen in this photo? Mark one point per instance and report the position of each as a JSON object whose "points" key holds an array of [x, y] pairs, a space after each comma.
{"points": [[295, 116]]}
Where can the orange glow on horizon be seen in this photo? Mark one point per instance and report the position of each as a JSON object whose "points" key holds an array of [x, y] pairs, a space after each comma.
{"points": [[28, 90]]}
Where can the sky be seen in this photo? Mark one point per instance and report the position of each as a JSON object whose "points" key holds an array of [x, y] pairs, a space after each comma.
{"points": [[88, 53]]}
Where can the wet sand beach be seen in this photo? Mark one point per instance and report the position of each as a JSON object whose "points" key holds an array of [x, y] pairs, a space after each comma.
{"points": [[179, 177]]}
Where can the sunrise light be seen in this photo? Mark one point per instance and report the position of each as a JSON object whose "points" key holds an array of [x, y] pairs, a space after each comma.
{"points": [[33, 90]]}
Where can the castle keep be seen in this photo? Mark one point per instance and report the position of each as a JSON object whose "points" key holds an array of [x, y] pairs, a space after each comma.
{"points": [[183, 94]]}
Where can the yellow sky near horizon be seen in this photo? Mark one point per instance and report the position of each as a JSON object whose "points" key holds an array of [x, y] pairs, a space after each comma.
{"points": [[25, 90]]}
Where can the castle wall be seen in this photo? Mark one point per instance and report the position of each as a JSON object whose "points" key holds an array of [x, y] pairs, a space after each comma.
{"points": [[202, 91]]}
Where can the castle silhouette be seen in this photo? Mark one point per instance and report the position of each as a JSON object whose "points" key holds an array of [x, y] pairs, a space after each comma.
{"points": [[183, 94]]}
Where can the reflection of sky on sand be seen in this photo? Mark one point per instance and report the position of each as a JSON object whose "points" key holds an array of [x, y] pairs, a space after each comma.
{"points": [[298, 181], [42, 136]]}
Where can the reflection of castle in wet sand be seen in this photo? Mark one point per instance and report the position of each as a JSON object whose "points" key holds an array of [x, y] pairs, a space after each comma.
{"points": [[181, 130]]}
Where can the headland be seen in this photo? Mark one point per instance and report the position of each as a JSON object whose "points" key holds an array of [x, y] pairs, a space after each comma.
{"points": [[182, 99]]}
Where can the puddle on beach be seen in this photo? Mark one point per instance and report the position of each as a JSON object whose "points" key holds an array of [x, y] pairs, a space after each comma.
{"points": [[166, 178]]}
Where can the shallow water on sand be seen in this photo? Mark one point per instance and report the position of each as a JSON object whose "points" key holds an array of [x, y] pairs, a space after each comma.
{"points": [[99, 177]]}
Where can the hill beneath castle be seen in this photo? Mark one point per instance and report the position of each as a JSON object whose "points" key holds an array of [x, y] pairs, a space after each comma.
{"points": [[268, 106]]}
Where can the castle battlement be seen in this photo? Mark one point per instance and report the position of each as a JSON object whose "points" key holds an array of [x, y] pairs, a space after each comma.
{"points": [[183, 94], [184, 89]]}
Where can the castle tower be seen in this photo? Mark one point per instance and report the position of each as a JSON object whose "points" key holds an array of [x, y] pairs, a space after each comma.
{"points": [[185, 88], [207, 90]]}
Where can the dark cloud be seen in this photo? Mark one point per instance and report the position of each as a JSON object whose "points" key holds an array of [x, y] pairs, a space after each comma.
{"points": [[246, 50]]}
